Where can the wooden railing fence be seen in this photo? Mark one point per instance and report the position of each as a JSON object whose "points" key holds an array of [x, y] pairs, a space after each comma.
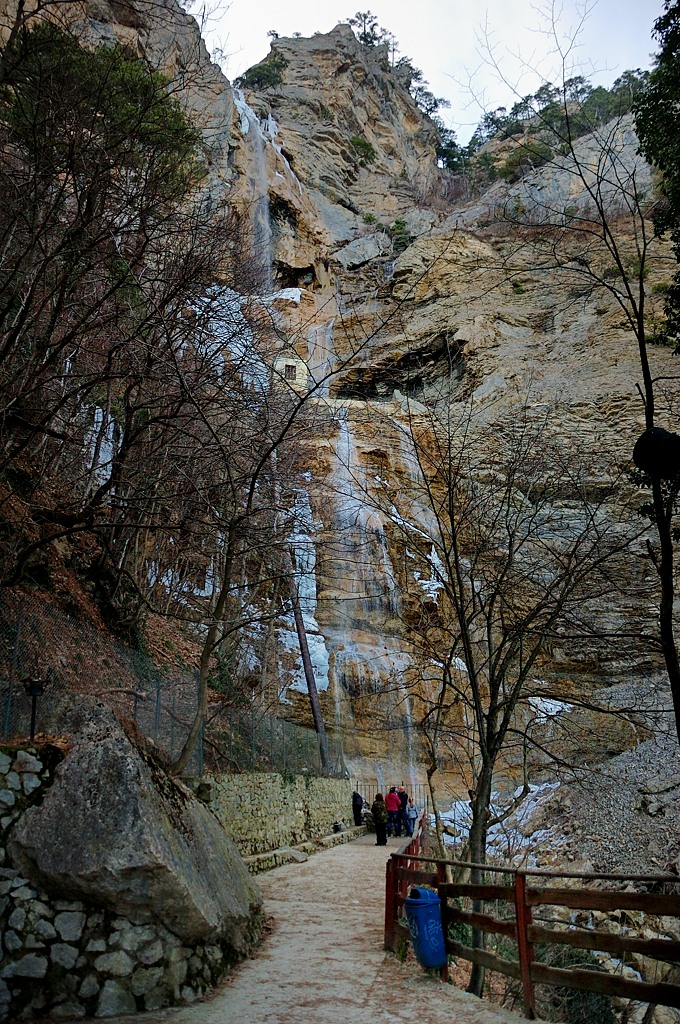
{"points": [[523, 920]]}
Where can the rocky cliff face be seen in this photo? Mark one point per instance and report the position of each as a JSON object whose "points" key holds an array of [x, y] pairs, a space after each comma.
{"points": [[450, 317], [352, 135], [405, 315]]}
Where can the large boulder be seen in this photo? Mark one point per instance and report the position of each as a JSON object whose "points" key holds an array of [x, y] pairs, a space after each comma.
{"points": [[115, 831]]}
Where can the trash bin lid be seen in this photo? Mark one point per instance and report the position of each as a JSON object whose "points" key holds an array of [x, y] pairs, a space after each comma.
{"points": [[421, 895]]}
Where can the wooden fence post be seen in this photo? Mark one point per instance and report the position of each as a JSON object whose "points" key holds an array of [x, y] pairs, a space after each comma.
{"points": [[526, 950], [390, 904], [444, 912]]}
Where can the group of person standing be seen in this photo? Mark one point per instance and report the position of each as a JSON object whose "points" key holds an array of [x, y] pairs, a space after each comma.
{"points": [[394, 814]]}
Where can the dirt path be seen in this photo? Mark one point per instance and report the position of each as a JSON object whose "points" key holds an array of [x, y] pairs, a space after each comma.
{"points": [[324, 960]]}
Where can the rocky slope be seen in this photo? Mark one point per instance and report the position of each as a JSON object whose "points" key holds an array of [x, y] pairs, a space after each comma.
{"points": [[352, 135], [612, 814]]}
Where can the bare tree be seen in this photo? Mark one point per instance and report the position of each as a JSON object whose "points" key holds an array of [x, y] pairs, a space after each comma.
{"points": [[139, 417], [592, 230], [514, 552]]}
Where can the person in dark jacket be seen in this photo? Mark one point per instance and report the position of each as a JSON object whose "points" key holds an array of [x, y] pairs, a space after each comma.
{"points": [[379, 815], [357, 804]]}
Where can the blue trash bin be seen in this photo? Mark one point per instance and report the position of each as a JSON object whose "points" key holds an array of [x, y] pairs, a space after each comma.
{"points": [[425, 925]]}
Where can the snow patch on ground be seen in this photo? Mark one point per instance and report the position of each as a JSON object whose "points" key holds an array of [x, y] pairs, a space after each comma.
{"points": [[512, 839]]}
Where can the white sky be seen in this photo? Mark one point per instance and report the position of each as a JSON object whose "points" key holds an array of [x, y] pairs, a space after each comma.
{"points": [[442, 38]]}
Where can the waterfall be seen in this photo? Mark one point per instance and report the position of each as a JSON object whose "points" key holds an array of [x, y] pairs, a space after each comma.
{"points": [[304, 551], [368, 579], [270, 130], [101, 444], [320, 355], [258, 188], [369, 666], [407, 454], [362, 666], [408, 732], [419, 516], [227, 330]]}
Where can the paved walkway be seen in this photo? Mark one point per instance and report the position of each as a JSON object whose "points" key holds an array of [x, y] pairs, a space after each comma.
{"points": [[323, 961]]}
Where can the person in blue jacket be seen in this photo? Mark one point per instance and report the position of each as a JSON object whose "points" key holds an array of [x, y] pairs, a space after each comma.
{"points": [[412, 815]]}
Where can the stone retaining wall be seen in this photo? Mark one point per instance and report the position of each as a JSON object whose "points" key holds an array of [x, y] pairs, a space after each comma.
{"points": [[260, 862], [64, 960], [266, 811]]}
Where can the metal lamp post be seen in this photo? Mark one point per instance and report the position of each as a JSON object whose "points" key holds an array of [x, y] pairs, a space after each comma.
{"points": [[34, 688]]}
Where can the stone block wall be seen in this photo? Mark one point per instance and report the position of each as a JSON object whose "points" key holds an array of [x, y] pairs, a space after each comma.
{"points": [[64, 960], [264, 811]]}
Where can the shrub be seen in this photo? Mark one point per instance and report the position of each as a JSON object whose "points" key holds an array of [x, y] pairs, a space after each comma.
{"points": [[656, 331], [572, 1005], [460, 931], [365, 150], [79, 111], [265, 75], [525, 158], [400, 235], [485, 168]]}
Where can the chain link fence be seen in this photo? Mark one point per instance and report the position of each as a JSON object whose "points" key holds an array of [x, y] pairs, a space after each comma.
{"points": [[60, 659], [252, 740]]}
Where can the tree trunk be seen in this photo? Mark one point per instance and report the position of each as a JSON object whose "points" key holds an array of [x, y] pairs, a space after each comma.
{"points": [[663, 522], [431, 769], [206, 654], [437, 822], [480, 816], [665, 571]]}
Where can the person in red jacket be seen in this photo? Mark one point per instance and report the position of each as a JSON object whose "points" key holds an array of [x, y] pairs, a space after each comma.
{"points": [[403, 803], [393, 805]]}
